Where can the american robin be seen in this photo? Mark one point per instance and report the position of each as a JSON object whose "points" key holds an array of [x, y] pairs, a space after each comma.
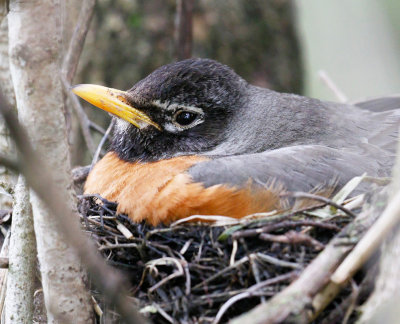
{"points": [[194, 138]]}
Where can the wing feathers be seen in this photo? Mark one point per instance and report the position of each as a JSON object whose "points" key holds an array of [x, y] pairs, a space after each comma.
{"points": [[297, 168]]}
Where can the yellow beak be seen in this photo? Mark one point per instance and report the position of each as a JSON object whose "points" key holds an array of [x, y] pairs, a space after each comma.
{"points": [[113, 101]]}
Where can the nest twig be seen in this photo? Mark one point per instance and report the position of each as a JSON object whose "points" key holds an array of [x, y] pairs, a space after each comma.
{"points": [[195, 273]]}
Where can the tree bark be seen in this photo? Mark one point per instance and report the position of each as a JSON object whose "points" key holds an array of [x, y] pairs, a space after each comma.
{"points": [[4, 274], [6, 147], [22, 256], [35, 36]]}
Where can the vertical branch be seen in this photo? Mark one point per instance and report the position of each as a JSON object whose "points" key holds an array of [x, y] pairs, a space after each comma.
{"points": [[71, 60], [4, 274], [70, 64], [6, 146], [22, 255], [184, 26], [35, 38], [82, 117], [102, 142], [41, 179]]}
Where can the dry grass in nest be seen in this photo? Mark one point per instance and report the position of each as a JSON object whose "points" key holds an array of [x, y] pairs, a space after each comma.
{"points": [[201, 273]]}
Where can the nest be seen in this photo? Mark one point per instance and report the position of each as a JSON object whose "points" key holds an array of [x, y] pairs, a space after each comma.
{"points": [[203, 273]]}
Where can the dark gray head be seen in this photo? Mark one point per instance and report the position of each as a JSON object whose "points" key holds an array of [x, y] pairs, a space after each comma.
{"points": [[192, 101], [200, 106]]}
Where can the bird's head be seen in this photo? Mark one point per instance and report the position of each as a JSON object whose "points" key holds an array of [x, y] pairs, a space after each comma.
{"points": [[180, 108]]}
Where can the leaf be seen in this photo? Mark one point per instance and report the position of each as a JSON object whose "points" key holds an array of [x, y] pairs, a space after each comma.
{"points": [[228, 232], [339, 198], [348, 188]]}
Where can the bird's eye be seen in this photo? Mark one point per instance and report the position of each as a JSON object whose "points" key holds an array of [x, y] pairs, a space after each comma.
{"points": [[185, 118]]}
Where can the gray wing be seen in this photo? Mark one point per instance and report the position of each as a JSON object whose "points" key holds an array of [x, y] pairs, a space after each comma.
{"points": [[380, 104], [383, 125], [385, 121], [298, 168]]}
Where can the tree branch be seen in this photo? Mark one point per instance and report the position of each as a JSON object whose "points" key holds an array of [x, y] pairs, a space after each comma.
{"points": [[184, 37], [70, 65], [82, 117], [36, 172], [307, 195], [9, 163], [382, 305], [102, 142], [71, 59], [293, 303], [22, 255]]}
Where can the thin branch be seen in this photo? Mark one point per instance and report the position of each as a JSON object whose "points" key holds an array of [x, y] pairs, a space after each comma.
{"points": [[36, 172], [295, 300], [82, 117], [382, 304], [277, 262], [325, 200], [4, 272], [96, 127], [367, 285], [102, 142], [165, 261], [370, 242], [253, 291], [70, 64], [163, 313], [292, 237], [281, 225], [184, 37], [9, 163], [323, 75], [71, 59], [222, 272], [353, 301]]}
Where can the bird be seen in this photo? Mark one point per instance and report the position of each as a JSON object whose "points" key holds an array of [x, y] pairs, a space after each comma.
{"points": [[195, 138]]}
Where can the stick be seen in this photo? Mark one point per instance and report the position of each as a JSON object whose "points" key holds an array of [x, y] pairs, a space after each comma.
{"points": [[108, 280], [71, 59], [370, 242], [292, 304], [4, 273], [82, 117], [251, 292], [320, 198], [9, 163], [184, 29], [323, 75], [101, 144]]}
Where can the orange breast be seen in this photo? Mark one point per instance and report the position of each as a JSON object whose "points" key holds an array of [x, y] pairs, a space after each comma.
{"points": [[163, 192]]}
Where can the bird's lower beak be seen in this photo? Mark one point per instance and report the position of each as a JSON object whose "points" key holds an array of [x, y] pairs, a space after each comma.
{"points": [[113, 101]]}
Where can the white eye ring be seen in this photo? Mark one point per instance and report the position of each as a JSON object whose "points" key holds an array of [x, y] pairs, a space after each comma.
{"points": [[173, 110], [185, 118], [194, 116]]}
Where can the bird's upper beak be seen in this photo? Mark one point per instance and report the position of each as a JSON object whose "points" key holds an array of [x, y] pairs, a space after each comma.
{"points": [[113, 101]]}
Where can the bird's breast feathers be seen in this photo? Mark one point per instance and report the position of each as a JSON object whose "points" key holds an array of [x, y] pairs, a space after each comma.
{"points": [[162, 192]]}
